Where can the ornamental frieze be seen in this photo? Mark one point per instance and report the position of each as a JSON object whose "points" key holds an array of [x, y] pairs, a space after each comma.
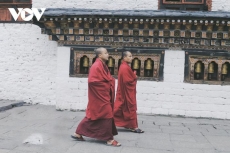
{"points": [[161, 29]]}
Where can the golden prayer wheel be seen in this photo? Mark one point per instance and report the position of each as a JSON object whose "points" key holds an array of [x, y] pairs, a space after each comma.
{"points": [[211, 68], [136, 64], [149, 64], [85, 62], [110, 62], [224, 69], [198, 70], [198, 67]]}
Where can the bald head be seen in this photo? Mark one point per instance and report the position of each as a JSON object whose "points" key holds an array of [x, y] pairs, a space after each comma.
{"points": [[99, 51], [125, 54], [102, 53]]}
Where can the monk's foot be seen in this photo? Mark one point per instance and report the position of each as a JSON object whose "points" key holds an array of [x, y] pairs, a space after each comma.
{"points": [[130, 128], [113, 143], [137, 130], [77, 137]]}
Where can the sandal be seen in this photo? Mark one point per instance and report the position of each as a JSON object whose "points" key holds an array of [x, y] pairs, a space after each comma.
{"points": [[78, 138], [137, 130], [114, 144]]}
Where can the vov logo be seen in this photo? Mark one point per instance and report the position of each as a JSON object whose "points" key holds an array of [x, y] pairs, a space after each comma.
{"points": [[25, 11]]}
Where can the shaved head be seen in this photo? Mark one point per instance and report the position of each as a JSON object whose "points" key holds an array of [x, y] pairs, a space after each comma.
{"points": [[99, 51], [125, 54], [102, 54]]}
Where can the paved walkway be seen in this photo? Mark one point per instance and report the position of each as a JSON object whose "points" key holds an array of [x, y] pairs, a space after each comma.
{"points": [[42, 129]]}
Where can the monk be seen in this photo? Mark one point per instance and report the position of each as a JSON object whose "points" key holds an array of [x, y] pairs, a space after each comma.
{"points": [[98, 122], [125, 106]]}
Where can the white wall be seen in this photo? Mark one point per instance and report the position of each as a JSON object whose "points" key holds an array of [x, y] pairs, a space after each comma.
{"points": [[98, 4], [171, 97], [217, 5], [71, 92], [220, 5], [27, 64]]}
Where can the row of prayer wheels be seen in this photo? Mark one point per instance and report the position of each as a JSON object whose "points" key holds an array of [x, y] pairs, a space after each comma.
{"points": [[111, 64], [148, 66], [211, 70], [135, 65], [86, 62]]}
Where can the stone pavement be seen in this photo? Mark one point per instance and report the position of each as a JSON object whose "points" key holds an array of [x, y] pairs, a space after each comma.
{"points": [[42, 129]]}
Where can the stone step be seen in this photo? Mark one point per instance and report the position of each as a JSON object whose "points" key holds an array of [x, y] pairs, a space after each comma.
{"points": [[9, 104]]}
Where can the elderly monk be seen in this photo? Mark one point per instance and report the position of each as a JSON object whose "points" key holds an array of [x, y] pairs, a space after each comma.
{"points": [[125, 106], [99, 122]]}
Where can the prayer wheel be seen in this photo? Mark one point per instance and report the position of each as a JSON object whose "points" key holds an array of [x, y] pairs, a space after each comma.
{"points": [[198, 70], [85, 64], [224, 71], [136, 64], [198, 67], [210, 70], [110, 62], [148, 66]]}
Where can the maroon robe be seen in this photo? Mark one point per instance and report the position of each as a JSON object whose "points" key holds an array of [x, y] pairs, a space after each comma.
{"points": [[125, 106], [99, 122]]}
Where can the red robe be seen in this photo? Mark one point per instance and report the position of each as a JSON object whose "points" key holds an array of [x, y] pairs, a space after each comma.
{"points": [[101, 92], [99, 122], [125, 106]]}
